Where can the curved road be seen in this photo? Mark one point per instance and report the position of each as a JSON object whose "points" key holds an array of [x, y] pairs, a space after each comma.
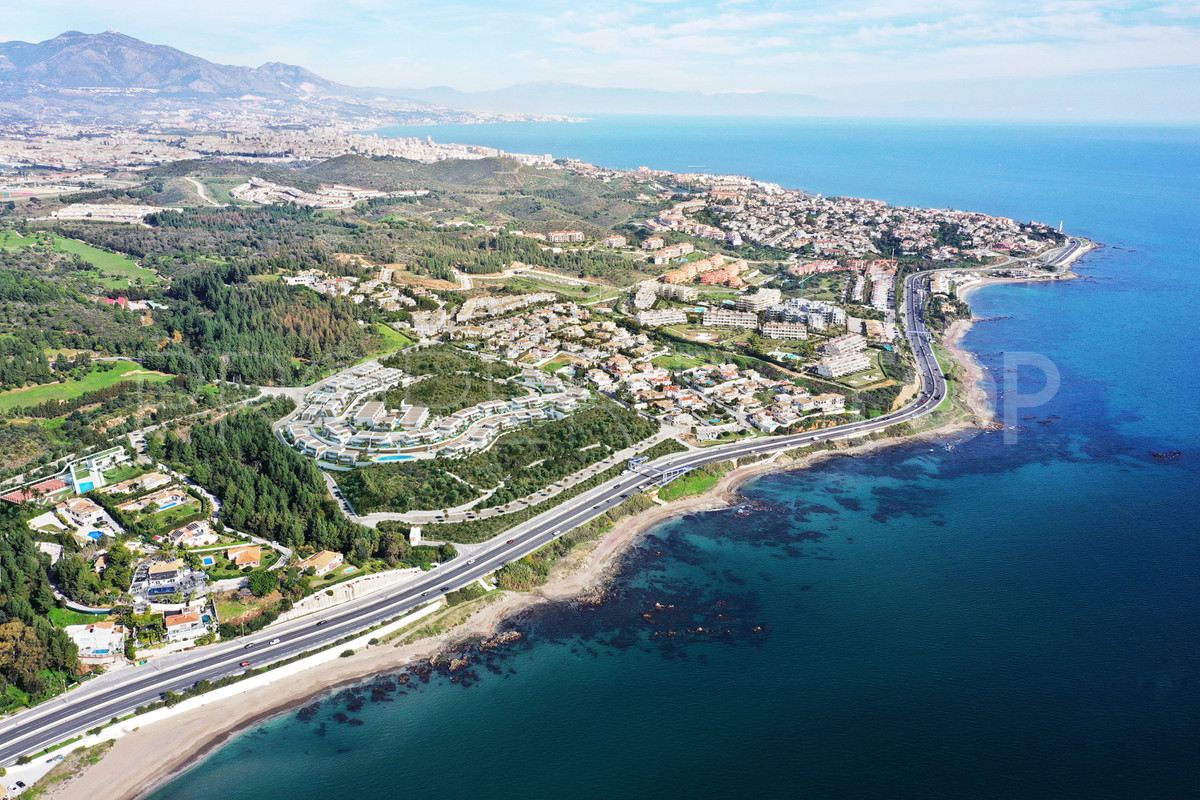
{"points": [[118, 693]]}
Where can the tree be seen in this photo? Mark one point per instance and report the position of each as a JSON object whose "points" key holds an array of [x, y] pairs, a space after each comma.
{"points": [[261, 583]]}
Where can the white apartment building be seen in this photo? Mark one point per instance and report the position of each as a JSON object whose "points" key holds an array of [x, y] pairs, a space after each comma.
{"points": [[725, 318], [677, 292], [656, 319], [784, 330], [845, 345], [760, 300], [837, 366]]}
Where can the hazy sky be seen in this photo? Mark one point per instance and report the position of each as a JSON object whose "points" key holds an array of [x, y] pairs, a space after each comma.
{"points": [[1098, 58]]}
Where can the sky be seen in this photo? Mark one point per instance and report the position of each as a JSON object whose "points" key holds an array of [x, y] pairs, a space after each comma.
{"points": [[1106, 59]]}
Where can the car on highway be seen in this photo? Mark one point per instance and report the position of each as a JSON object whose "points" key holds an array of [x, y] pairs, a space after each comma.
{"points": [[321, 622], [245, 663], [512, 541], [273, 641], [471, 561], [444, 589], [249, 646], [424, 593]]}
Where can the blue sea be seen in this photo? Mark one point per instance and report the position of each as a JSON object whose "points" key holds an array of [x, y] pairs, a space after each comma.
{"points": [[978, 617]]}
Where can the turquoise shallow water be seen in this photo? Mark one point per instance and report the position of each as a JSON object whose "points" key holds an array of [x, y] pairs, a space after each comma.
{"points": [[962, 619]]}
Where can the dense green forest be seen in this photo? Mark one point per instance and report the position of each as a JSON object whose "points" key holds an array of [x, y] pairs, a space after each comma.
{"points": [[256, 333], [35, 657], [265, 487]]}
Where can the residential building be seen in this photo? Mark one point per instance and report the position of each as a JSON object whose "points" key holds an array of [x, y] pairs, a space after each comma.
{"points": [[836, 366], [101, 642], [194, 534], [613, 241], [183, 625], [760, 300], [784, 330], [845, 345], [245, 556], [725, 318], [561, 237], [656, 319], [322, 562]]}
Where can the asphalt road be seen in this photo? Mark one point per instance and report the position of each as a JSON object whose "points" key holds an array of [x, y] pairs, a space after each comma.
{"points": [[118, 693]]}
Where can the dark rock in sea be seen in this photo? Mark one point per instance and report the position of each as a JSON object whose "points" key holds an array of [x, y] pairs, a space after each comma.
{"points": [[355, 704], [340, 718], [1168, 455], [356, 721], [805, 588]]}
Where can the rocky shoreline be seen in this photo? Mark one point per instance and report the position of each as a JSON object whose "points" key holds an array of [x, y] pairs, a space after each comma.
{"points": [[150, 756]]}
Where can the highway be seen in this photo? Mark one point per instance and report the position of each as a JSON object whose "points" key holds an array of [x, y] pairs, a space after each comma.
{"points": [[118, 693]]}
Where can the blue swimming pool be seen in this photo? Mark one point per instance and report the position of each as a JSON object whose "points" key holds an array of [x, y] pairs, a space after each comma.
{"points": [[381, 459], [100, 652], [168, 505], [208, 561], [86, 486], [95, 535]]}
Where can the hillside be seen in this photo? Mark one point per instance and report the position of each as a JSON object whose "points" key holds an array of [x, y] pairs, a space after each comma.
{"points": [[113, 78]]}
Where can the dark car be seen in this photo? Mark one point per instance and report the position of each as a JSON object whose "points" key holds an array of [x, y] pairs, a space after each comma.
{"points": [[321, 622], [444, 589], [249, 645]]}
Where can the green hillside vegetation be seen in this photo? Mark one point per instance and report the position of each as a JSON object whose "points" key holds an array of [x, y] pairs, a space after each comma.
{"points": [[103, 375], [524, 461], [445, 394], [36, 658], [265, 487], [440, 359]]}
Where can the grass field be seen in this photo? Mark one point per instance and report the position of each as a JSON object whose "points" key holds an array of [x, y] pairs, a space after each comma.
{"points": [[33, 395], [678, 361], [62, 617], [688, 486], [11, 240], [118, 267], [392, 339]]}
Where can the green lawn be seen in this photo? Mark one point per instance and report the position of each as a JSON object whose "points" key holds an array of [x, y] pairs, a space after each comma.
{"points": [[688, 486], [62, 617], [678, 361], [115, 265], [11, 240], [391, 340], [123, 371]]}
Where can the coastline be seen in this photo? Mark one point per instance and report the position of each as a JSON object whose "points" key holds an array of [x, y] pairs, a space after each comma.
{"points": [[136, 765]]}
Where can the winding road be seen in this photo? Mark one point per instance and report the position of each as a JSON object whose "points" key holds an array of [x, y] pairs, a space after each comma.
{"points": [[118, 693]]}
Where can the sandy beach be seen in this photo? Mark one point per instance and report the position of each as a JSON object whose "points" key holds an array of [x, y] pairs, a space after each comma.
{"points": [[150, 755]]}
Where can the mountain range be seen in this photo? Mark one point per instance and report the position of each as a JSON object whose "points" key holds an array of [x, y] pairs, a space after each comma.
{"points": [[111, 77]]}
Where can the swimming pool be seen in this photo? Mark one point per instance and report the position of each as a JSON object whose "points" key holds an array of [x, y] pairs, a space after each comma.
{"points": [[100, 652], [381, 459], [95, 535], [208, 561], [86, 486], [168, 505]]}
